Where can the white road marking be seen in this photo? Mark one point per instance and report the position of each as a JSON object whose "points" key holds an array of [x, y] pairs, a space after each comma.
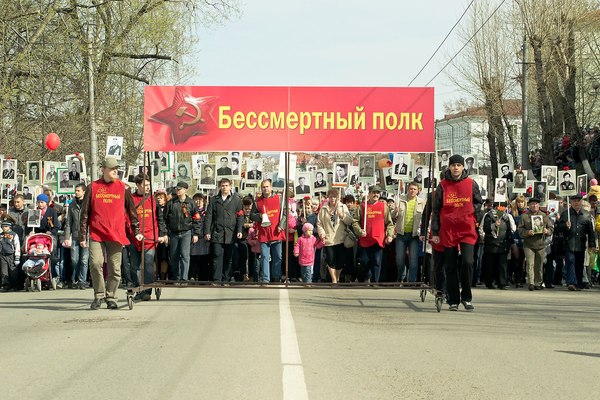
{"points": [[294, 386]]}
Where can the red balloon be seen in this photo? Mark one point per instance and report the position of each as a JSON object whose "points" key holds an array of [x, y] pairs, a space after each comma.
{"points": [[52, 141]]}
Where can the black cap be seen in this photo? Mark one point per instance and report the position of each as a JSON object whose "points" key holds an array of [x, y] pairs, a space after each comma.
{"points": [[182, 185], [5, 222], [375, 188], [456, 159], [533, 200], [577, 196]]}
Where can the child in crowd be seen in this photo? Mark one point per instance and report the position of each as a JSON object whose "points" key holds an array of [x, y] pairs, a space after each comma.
{"points": [[10, 254], [304, 249], [199, 253], [38, 253]]}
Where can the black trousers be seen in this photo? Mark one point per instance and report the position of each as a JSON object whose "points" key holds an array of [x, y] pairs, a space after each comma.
{"points": [[221, 261], [494, 268], [459, 272]]}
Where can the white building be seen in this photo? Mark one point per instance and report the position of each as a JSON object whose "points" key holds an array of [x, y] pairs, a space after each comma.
{"points": [[465, 132]]}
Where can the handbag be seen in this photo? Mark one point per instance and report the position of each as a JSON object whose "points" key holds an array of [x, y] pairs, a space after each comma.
{"points": [[351, 239]]}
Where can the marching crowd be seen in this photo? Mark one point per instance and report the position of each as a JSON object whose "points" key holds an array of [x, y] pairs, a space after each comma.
{"points": [[108, 230]]}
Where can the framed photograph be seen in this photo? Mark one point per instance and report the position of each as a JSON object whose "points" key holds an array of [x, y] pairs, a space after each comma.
{"points": [[319, 180], [443, 158], [549, 176], [19, 182], [8, 191], [388, 179], [500, 190], [537, 223], [520, 181], [208, 179], [303, 185], [34, 218], [9, 170], [353, 174], [79, 161], [529, 188], [50, 172], [28, 192], [366, 167], [223, 167], [430, 181], [401, 166], [254, 170], [505, 172], [34, 172], [482, 182], [183, 172], [64, 184], [471, 165], [132, 171], [340, 174], [582, 184], [293, 162], [198, 160], [540, 192], [164, 160], [236, 166], [552, 208], [419, 174], [566, 186], [114, 146], [73, 171]]}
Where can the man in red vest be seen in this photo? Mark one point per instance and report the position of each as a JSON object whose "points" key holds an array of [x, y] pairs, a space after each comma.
{"points": [[456, 210], [271, 235], [154, 230], [374, 232], [105, 208]]}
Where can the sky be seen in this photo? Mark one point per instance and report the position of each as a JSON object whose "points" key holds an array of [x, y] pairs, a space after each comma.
{"points": [[331, 43]]}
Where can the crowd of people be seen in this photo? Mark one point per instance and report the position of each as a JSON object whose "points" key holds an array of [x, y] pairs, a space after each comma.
{"points": [[450, 238]]}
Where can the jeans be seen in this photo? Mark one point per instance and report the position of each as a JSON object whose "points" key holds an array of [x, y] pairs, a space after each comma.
{"points": [[371, 261], [179, 254], [272, 249], [574, 261], [459, 272], [221, 261], [306, 271], [402, 242], [134, 257], [79, 261]]}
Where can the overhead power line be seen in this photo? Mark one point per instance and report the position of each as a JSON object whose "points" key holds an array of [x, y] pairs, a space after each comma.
{"points": [[466, 43], [441, 44]]}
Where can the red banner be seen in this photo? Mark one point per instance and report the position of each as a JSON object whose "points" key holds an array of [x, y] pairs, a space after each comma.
{"points": [[302, 119]]}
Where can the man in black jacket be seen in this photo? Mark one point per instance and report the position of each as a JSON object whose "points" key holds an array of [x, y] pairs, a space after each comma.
{"points": [[79, 255], [183, 224], [223, 224], [578, 229]]}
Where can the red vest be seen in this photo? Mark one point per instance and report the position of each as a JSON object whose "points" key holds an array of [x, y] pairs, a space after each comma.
{"points": [[271, 206], [146, 213], [457, 216], [107, 215], [375, 225]]}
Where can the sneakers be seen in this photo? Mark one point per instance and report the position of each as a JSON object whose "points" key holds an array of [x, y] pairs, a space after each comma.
{"points": [[453, 307], [96, 304], [111, 305], [467, 305], [572, 288]]}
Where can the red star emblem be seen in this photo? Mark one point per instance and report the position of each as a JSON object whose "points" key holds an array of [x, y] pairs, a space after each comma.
{"points": [[187, 115]]}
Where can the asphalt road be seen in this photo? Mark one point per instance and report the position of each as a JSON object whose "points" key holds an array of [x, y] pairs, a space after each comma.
{"points": [[226, 343]]}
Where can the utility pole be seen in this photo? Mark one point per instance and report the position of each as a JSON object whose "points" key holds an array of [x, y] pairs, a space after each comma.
{"points": [[524, 110], [92, 104]]}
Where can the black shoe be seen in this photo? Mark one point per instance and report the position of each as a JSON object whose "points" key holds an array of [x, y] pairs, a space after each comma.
{"points": [[490, 286], [467, 305], [146, 296], [503, 287], [549, 286], [96, 304], [531, 287], [453, 307], [538, 287], [111, 305]]}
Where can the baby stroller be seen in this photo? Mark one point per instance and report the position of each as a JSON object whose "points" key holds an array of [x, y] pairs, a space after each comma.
{"points": [[38, 275]]}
